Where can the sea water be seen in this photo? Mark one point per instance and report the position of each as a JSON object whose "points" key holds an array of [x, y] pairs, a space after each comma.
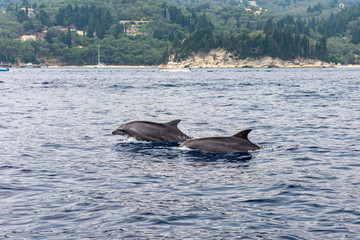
{"points": [[64, 176]]}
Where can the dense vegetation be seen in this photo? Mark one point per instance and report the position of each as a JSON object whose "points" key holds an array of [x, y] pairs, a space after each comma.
{"points": [[272, 42], [182, 27]]}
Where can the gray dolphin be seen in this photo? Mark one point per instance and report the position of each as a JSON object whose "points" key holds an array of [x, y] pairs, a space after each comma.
{"points": [[152, 131], [236, 143]]}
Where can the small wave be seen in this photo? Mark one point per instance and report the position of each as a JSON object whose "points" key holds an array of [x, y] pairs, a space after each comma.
{"points": [[9, 167], [279, 148], [131, 140], [167, 85], [116, 86], [86, 138], [162, 151], [197, 156], [51, 145], [184, 148]]}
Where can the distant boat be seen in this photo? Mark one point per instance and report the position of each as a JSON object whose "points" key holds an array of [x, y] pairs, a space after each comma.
{"points": [[29, 65], [100, 64], [2, 69]]}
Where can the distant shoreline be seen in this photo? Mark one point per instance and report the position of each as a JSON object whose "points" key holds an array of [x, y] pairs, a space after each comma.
{"points": [[43, 66], [193, 67], [105, 67], [215, 59]]}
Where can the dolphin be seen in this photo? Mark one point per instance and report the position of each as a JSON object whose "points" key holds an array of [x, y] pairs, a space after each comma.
{"points": [[236, 143], [152, 131]]}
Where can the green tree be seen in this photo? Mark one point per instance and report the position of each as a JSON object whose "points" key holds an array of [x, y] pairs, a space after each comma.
{"points": [[44, 18], [91, 27], [321, 49], [68, 38], [116, 29], [355, 33], [22, 16], [59, 17]]}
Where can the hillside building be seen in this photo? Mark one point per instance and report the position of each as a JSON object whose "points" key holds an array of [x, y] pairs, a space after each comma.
{"points": [[30, 11], [25, 38], [252, 3], [131, 27]]}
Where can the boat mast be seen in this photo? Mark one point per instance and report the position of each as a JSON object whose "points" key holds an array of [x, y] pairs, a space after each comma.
{"points": [[99, 54]]}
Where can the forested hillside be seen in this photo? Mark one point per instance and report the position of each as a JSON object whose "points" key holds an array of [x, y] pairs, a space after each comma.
{"points": [[5, 3], [147, 32]]}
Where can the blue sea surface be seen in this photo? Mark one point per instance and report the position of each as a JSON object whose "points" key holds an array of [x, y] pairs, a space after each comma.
{"points": [[64, 176]]}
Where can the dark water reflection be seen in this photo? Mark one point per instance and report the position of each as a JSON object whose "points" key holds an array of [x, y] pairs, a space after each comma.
{"points": [[64, 176]]}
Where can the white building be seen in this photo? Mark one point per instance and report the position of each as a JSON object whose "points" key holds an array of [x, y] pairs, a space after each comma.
{"points": [[28, 38], [253, 3]]}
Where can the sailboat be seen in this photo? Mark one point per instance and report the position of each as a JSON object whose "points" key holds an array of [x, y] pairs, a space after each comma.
{"points": [[100, 64], [2, 69]]}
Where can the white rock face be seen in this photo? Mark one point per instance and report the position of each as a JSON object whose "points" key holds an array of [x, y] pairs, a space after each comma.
{"points": [[219, 58]]}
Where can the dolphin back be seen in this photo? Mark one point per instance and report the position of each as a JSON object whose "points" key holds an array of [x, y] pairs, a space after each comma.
{"points": [[153, 131], [236, 143]]}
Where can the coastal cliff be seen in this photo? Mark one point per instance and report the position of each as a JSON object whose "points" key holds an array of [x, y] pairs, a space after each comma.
{"points": [[219, 58]]}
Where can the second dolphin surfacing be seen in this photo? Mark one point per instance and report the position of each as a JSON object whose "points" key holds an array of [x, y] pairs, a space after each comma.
{"points": [[236, 143], [153, 131]]}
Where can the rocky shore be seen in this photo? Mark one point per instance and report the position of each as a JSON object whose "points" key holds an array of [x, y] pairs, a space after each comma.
{"points": [[219, 58]]}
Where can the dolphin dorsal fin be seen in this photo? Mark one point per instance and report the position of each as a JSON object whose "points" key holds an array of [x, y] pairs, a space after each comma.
{"points": [[173, 123], [243, 134]]}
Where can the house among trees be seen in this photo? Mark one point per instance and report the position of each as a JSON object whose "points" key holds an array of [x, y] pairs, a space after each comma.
{"points": [[80, 33], [29, 11], [252, 3], [28, 38], [130, 27]]}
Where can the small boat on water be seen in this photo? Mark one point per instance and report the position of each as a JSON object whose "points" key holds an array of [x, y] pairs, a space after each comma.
{"points": [[3, 69], [100, 64], [29, 65]]}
